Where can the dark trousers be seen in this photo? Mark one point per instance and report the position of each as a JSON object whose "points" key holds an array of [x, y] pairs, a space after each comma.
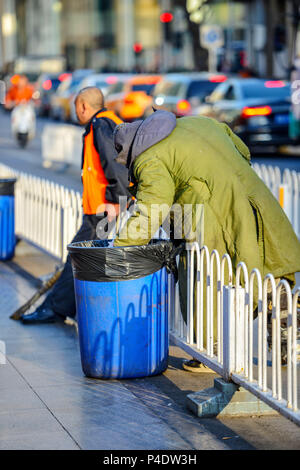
{"points": [[61, 299]]}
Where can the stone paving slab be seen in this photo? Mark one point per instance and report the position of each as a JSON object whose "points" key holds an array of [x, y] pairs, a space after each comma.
{"points": [[47, 403]]}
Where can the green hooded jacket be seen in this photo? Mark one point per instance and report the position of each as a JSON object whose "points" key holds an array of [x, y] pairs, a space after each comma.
{"points": [[199, 161]]}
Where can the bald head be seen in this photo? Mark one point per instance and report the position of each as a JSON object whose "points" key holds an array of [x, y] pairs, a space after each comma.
{"points": [[88, 101]]}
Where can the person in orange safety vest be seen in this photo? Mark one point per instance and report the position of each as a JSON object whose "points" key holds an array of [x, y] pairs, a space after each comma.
{"points": [[104, 181]]}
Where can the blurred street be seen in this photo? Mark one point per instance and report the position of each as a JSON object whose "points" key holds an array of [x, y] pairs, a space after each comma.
{"points": [[29, 160]]}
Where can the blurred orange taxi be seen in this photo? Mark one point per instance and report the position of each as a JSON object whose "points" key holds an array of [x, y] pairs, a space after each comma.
{"points": [[138, 96]]}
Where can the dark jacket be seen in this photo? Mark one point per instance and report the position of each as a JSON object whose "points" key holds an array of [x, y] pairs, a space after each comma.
{"points": [[115, 173]]}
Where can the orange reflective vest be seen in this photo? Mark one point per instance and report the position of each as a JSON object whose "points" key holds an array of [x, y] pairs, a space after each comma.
{"points": [[93, 176]]}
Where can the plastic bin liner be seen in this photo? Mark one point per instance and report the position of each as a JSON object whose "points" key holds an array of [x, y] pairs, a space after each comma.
{"points": [[96, 261], [7, 186]]}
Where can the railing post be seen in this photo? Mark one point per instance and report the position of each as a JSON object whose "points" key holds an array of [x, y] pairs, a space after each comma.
{"points": [[233, 330], [240, 328], [228, 331]]}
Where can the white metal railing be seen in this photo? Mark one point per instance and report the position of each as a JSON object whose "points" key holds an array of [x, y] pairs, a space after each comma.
{"points": [[46, 214], [286, 188], [235, 348]]}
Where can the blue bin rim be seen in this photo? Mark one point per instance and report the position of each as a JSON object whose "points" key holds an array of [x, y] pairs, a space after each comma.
{"points": [[102, 263], [79, 245], [8, 180]]}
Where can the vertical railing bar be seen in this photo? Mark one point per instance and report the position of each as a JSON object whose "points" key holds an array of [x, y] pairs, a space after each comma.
{"points": [[242, 267], [269, 278], [209, 339], [282, 283], [215, 256], [294, 349], [249, 355], [225, 258], [190, 297]]}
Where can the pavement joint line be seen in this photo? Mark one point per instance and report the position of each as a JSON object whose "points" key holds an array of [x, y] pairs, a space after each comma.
{"points": [[46, 406]]}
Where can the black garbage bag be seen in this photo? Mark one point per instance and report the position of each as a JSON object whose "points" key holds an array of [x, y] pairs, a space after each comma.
{"points": [[7, 186], [96, 261]]}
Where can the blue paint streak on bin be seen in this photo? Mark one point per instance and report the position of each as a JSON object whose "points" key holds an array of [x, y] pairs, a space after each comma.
{"points": [[7, 220], [123, 326]]}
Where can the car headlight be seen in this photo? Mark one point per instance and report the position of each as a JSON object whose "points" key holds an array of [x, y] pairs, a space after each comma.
{"points": [[159, 100]]}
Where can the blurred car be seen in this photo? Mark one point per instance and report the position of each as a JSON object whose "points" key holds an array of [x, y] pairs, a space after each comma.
{"points": [[182, 93], [61, 101], [256, 109], [34, 65], [116, 93], [47, 85], [103, 81], [100, 80], [138, 96]]}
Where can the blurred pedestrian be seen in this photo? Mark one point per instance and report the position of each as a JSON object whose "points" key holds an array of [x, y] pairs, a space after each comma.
{"points": [[19, 92], [200, 163], [104, 181]]}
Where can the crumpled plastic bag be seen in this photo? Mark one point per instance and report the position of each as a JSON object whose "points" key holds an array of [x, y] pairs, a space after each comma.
{"points": [[96, 260], [7, 186]]}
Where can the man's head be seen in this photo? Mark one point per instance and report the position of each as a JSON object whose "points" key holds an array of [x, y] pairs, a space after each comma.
{"points": [[88, 101]]}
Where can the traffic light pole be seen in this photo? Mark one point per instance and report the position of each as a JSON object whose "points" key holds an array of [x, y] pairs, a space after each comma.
{"points": [[212, 60]]}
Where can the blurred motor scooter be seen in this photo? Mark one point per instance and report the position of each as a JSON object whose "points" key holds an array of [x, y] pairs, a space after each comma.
{"points": [[23, 123]]}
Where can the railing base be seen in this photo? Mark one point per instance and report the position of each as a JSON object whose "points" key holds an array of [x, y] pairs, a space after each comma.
{"points": [[226, 399]]}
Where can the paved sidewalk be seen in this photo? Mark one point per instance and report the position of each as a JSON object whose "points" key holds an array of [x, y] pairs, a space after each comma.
{"points": [[47, 403]]}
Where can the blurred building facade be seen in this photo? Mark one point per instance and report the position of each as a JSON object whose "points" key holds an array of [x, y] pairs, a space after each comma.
{"points": [[260, 35], [90, 33]]}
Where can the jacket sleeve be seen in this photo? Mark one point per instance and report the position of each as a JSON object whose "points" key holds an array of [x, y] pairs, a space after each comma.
{"points": [[115, 173], [155, 196]]}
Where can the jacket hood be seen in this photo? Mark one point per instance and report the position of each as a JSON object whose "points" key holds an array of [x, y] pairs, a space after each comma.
{"points": [[132, 139]]}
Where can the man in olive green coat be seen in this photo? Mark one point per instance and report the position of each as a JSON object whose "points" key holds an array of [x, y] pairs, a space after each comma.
{"points": [[200, 162]]}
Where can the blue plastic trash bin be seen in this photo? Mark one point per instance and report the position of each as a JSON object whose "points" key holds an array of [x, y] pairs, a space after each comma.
{"points": [[122, 322], [7, 219]]}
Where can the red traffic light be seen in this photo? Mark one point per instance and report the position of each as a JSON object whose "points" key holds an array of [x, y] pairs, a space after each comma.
{"points": [[166, 17], [137, 47]]}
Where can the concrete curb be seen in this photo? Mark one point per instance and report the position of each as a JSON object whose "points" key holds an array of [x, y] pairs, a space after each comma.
{"points": [[226, 399]]}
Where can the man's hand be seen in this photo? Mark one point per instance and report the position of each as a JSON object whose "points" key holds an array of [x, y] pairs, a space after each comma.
{"points": [[111, 209]]}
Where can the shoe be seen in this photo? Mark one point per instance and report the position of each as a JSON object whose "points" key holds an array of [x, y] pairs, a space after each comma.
{"points": [[193, 365], [41, 315]]}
